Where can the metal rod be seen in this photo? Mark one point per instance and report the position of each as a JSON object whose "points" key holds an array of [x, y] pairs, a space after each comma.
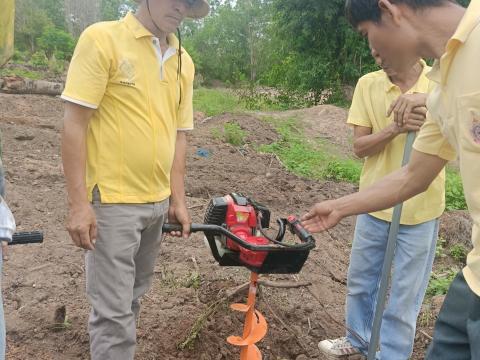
{"points": [[388, 261]]}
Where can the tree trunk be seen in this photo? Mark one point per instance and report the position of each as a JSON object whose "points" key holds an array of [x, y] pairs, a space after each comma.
{"points": [[18, 85]]}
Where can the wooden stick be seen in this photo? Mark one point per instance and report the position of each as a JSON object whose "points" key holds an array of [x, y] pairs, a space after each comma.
{"points": [[425, 334], [196, 206], [284, 284], [195, 264]]}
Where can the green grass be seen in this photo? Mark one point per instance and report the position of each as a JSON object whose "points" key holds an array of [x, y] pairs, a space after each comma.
{"points": [[439, 284], [307, 158], [234, 134], [348, 170], [29, 74], [218, 101], [459, 253], [316, 161], [213, 102], [231, 133], [454, 196]]}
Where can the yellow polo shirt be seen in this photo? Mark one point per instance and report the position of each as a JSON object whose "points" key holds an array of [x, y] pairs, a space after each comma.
{"points": [[373, 96], [453, 126], [119, 70]]}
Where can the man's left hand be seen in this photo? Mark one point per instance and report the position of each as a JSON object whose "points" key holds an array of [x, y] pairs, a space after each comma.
{"points": [[405, 107], [178, 213]]}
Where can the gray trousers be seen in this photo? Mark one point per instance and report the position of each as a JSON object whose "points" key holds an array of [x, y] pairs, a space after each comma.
{"points": [[457, 330], [119, 271]]}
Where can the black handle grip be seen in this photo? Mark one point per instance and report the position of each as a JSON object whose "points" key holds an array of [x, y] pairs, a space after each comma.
{"points": [[297, 228], [177, 227], [21, 238]]}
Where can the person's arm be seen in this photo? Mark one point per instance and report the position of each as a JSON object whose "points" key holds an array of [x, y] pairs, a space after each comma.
{"points": [[410, 106], [178, 211], [393, 189], [81, 223], [367, 144]]}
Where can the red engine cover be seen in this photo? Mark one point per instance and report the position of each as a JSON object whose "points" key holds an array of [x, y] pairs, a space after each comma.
{"points": [[254, 258], [242, 221]]}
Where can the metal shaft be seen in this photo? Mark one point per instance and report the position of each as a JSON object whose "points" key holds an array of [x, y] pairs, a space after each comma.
{"points": [[388, 261]]}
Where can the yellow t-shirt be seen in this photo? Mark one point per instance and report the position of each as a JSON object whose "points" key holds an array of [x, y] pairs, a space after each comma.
{"points": [[373, 96], [118, 69], [453, 126]]}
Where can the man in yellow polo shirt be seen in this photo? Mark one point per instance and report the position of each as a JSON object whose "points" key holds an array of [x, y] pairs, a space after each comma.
{"points": [[128, 106], [443, 30], [381, 142]]}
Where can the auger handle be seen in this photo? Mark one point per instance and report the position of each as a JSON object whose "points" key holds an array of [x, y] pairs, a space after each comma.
{"points": [[297, 228], [308, 242], [22, 238]]}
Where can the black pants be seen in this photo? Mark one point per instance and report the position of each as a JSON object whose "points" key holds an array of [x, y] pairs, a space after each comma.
{"points": [[457, 330]]}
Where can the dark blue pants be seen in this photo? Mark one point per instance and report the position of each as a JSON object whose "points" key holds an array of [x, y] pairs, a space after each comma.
{"points": [[457, 330]]}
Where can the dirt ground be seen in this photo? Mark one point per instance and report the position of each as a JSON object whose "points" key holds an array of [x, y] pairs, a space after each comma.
{"points": [[41, 280]]}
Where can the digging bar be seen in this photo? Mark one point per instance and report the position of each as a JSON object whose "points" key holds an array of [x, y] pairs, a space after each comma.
{"points": [[387, 264]]}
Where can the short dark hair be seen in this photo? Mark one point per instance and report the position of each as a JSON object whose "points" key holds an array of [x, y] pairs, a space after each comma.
{"points": [[358, 11]]}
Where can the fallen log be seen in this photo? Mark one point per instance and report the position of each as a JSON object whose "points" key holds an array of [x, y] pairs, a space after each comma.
{"points": [[19, 85]]}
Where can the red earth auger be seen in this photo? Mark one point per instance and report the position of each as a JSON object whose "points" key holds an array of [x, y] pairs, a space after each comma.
{"points": [[235, 230]]}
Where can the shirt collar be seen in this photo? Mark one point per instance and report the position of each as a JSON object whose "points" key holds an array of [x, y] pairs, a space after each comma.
{"points": [[389, 86], [469, 21], [140, 31]]}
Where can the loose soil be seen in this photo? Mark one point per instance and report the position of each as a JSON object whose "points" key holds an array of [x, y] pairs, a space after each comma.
{"points": [[44, 283]]}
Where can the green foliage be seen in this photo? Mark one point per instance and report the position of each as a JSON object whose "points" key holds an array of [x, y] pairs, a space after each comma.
{"points": [[55, 66], [234, 134], [440, 248], [343, 170], [115, 9], [56, 41], [302, 46], [34, 75], [439, 284], [214, 102], [39, 59], [454, 195], [297, 154], [256, 98], [228, 45], [20, 57], [459, 253]]}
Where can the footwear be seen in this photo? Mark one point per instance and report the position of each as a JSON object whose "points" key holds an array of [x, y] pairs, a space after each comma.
{"points": [[338, 349]]}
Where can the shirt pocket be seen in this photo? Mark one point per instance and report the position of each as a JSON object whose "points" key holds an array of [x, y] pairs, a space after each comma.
{"points": [[468, 111]]}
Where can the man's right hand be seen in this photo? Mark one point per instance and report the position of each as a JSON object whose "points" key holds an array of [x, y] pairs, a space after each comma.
{"points": [[322, 216], [82, 226]]}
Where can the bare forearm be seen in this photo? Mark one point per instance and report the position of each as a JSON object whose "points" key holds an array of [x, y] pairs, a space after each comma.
{"points": [[74, 160], [177, 176], [372, 144], [74, 151], [395, 188]]}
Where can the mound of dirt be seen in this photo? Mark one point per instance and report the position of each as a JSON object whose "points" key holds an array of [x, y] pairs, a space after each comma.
{"points": [[326, 123]]}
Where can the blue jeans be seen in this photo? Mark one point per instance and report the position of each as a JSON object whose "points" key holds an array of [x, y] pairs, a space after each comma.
{"points": [[413, 262]]}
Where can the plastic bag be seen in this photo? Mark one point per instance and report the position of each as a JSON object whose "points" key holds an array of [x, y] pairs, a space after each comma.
{"points": [[7, 222]]}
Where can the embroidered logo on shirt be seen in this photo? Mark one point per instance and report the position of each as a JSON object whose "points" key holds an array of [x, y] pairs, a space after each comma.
{"points": [[476, 127], [128, 71]]}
